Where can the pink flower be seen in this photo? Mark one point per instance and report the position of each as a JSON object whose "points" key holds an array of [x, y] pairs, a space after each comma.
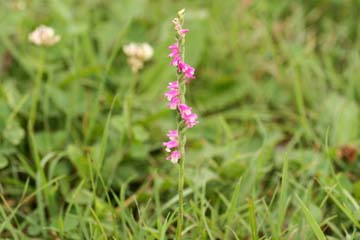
{"points": [[171, 144], [173, 134], [184, 109], [173, 95], [182, 32], [178, 27], [174, 157], [183, 67], [174, 54], [191, 120], [174, 49], [188, 70], [173, 103], [174, 84], [187, 115]]}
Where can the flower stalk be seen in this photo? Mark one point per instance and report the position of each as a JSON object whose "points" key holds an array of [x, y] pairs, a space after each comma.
{"points": [[181, 179], [182, 141], [186, 118]]}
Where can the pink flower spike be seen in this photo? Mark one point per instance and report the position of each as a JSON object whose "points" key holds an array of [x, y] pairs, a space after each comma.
{"points": [[175, 93], [170, 144], [174, 157]]}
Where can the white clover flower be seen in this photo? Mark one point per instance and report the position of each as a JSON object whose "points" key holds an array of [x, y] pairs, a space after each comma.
{"points": [[147, 51], [44, 36], [137, 54]]}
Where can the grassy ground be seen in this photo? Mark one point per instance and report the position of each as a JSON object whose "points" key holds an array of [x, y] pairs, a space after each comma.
{"points": [[274, 155]]}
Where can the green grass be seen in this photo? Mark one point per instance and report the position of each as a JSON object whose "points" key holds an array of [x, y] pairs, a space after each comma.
{"points": [[277, 91]]}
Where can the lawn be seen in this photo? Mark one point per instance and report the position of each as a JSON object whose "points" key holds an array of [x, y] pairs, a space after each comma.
{"points": [[275, 153]]}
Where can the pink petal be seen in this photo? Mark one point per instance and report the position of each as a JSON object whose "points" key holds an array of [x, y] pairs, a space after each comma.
{"points": [[171, 94], [170, 144], [183, 31], [174, 157], [173, 134]]}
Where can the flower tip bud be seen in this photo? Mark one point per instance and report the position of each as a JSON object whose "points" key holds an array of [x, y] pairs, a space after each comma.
{"points": [[181, 13]]}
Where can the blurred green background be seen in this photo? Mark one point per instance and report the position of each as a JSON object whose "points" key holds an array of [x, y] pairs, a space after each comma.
{"points": [[277, 92]]}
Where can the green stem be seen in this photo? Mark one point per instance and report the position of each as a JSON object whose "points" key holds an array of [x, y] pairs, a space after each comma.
{"points": [[33, 111], [182, 143], [40, 178], [182, 140]]}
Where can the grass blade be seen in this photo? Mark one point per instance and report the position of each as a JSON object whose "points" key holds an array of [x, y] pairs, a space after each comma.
{"points": [[231, 210], [252, 219], [311, 220], [283, 196]]}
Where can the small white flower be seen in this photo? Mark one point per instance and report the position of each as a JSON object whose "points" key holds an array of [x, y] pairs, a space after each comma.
{"points": [[44, 35], [137, 54]]}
